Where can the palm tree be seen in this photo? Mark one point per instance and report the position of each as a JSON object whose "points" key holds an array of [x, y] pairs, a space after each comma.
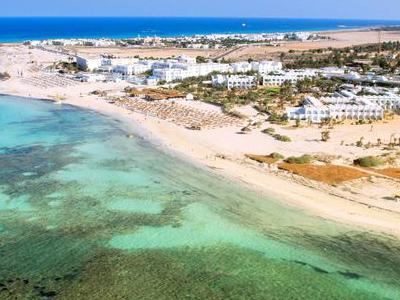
{"points": [[360, 142], [286, 91], [325, 135], [392, 136]]}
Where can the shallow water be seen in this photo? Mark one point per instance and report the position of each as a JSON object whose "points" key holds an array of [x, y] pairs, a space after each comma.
{"points": [[86, 213]]}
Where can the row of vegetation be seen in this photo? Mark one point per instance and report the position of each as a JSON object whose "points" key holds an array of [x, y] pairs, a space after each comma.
{"points": [[275, 157], [271, 100], [201, 88], [66, 67], [365, 56], [271, 132], [366, 162]]}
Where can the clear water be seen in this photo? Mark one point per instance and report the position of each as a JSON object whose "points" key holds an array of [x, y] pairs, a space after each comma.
{"points": [[86, 213], [38, 28]]}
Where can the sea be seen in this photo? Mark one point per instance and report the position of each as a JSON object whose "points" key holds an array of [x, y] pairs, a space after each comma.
{"points": [[89, 209], [18, 29]]}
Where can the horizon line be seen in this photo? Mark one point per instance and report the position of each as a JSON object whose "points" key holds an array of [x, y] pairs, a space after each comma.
{"points": [[204, 17]]}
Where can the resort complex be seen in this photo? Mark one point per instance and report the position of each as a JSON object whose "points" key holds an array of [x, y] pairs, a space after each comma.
{"points": [[199, 158], [357, 96], [173, 69]]}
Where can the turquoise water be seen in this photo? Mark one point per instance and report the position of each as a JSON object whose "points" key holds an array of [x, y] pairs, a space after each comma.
{"points": [[86, 213]]}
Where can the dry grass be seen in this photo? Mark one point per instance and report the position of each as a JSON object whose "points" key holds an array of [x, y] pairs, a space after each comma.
{"points": [[339, 39], [266, 159], [391, 172], [330, 174]]}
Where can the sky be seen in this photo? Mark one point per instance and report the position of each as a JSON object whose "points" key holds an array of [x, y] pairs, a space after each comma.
{"points": [[350, 9]]}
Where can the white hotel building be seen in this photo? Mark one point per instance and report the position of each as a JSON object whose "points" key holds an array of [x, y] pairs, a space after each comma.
{"points": [[174, 69], [234, 81], [241, 67], [291, 76], [89, 63], [387, 102], [134, 69], [182, 71], [266, 66], [343, 108], [96, 63], [262, 67]]}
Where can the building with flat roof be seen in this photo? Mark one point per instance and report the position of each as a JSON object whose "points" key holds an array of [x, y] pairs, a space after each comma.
{"points": [[134, 69], [262, 67], [338, 108], [241, 67], [266, 66], [291, 76], [89, 63], [234, 81], [387, 102], [181, 71]]}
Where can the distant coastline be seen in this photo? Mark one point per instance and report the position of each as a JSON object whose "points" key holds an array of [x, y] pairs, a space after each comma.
{"points": [[19, 29]]}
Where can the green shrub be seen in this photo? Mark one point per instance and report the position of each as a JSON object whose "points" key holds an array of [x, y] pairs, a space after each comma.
{"points": [[301, 160], [282, 138], [278, 119], [368, 161], [269, 130], [201, 59], [276, 156]]}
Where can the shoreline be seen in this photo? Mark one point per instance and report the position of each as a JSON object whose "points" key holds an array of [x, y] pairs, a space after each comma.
{"points": [[345, 29], [172, 140]]}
